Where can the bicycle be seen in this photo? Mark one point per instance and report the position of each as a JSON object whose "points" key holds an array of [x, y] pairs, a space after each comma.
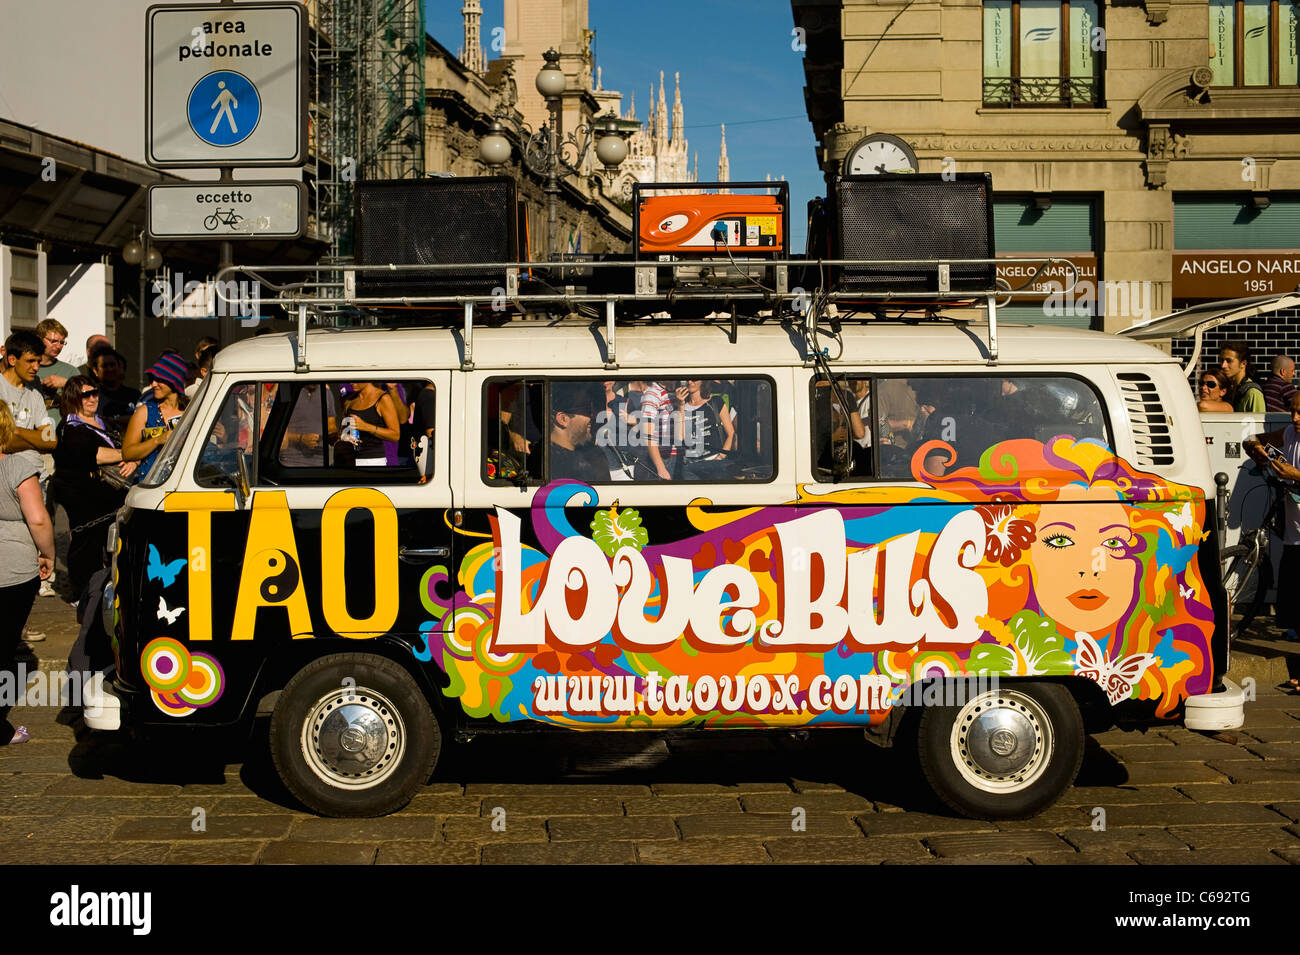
{"points": [[1248, 564], [222, 217]]}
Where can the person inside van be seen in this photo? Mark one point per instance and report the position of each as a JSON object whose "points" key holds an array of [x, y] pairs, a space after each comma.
{"points": [[1212, 392], [968, 418], [621, 435], [303, 444], [373, 419], [573, 407], [662, 427], [708, 434]]}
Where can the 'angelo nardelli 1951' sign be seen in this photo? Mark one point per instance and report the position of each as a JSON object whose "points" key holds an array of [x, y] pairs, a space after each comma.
{"points": [[1234, 273]]}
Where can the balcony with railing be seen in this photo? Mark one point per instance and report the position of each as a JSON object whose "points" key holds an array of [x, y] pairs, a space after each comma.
{"points": [[1029, 91]]}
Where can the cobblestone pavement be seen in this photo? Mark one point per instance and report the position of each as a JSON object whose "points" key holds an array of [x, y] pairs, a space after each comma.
{"points": [[1166, 796]]}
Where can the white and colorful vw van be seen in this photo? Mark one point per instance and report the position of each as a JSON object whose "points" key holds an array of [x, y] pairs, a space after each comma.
{"points": [[717, 533]]}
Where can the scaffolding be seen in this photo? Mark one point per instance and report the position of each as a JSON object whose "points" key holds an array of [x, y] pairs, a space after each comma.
{"points": [[368, 112]]}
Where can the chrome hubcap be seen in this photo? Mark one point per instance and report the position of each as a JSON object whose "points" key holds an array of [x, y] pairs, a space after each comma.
{"points": [[353, 738], [1002, 741]]}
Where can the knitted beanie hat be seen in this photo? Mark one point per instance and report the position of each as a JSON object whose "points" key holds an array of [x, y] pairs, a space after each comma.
{"points": [[171, 370]]}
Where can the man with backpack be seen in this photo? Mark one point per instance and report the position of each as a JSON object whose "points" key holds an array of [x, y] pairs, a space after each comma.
{"points": [[1244, 394]]}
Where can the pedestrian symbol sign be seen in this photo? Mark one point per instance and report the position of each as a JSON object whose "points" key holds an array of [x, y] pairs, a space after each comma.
{"points": [[226, 84], [224, 108]]}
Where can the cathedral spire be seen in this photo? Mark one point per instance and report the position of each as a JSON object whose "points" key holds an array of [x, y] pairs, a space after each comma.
{"points": [[679, 123], [631, 110], [724, 164], [661, 114], [471, 54]]}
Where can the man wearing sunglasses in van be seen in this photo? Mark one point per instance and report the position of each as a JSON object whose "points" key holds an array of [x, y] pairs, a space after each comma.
{"points": [[573, 406]]}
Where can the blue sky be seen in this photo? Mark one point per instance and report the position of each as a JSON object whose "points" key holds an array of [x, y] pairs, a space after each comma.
{"points": [[737, 67]]}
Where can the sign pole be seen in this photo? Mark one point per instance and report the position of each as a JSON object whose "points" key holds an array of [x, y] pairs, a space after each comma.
{"points": [[226, 321]]}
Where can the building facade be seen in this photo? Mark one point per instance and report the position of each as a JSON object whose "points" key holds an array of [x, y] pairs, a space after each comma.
{"points": [[460, 105], [1154, 143]]}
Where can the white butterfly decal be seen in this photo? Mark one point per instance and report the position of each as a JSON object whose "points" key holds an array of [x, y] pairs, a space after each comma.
{"points": [[1187, 592], [1182, 519], [169, 615], [1116, 677]]}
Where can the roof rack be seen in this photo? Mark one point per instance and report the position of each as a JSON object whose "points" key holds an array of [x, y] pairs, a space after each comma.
{"points": [[333, 288]]}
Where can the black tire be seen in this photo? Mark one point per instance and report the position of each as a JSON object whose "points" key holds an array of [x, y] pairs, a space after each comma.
{"points": [[1247, 581], [974, 779], [354, 708]]}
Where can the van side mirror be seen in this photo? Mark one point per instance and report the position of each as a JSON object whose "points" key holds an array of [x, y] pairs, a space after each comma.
{"points": [[241, 482]]}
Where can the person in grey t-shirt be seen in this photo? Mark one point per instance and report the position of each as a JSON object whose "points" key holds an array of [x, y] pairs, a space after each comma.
{"points": [[33, 431], [26, 556]]}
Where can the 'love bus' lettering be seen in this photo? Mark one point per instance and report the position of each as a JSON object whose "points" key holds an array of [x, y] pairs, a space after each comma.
{"points": [[844, 603]]}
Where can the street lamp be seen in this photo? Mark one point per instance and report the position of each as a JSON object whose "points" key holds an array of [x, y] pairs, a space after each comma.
{"points": [[545, 153], [139, 251]]}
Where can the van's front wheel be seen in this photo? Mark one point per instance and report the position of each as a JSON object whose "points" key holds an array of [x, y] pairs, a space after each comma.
{"points": [[353, 735], [1006, 754]]}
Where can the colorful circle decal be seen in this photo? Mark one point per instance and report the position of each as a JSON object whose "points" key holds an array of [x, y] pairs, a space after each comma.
{"points": [[165, 664], [180, 682], [206, 681]]}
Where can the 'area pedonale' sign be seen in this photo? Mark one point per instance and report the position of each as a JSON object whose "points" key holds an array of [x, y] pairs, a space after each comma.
{"points": [[1234, 273]]}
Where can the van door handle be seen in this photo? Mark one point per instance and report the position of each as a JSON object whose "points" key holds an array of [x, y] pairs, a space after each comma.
{"points": [[419, 553]]}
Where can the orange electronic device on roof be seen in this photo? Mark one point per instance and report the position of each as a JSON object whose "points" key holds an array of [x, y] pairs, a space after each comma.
{"points": [[705, 224]]}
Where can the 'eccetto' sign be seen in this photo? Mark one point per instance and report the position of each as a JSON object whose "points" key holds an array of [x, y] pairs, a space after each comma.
{"points": [[249, 210]]}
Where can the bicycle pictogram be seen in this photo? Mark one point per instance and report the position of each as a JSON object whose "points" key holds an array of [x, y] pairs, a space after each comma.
{"points": [[222, 217]]}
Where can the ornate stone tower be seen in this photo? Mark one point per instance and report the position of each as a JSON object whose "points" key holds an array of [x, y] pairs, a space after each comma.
{"points": [[471, 54]]}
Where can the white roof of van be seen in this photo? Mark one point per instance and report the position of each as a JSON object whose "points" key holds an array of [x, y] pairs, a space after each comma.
{"points": [[581, 347]]}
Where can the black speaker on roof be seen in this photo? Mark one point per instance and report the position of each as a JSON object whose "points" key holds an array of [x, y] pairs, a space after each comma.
{"points": [[440, 221], [914, 216]]}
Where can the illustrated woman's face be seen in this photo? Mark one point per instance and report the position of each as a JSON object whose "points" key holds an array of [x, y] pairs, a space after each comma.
{"points": [[1081, 576]]}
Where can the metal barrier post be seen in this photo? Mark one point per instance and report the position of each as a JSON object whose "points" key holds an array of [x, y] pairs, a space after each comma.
{"points": [[611, 361], [302, 340]]}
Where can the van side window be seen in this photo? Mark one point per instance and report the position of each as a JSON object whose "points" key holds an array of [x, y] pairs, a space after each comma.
{"points": [[969, 413], [842, 444], [700, 430], [322, 432], [512, 420]]}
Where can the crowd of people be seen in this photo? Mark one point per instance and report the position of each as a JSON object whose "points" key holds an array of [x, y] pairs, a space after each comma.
{"points": [[76, 438], [1230, 388], [669, 430]]}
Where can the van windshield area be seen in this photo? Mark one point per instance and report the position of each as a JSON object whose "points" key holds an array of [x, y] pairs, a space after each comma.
{"points": [[321, 433], [870, 427]]}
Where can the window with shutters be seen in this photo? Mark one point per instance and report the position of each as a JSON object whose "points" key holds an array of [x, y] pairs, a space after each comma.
{"points": [[1042, 53], [1253, 42]]}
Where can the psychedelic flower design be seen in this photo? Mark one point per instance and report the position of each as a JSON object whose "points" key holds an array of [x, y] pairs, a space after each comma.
{"points": [[1008, 535], [612, 530]]}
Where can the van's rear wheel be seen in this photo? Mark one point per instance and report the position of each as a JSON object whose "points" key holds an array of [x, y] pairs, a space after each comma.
{"points": [[353, 735], [1006, 754]]}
